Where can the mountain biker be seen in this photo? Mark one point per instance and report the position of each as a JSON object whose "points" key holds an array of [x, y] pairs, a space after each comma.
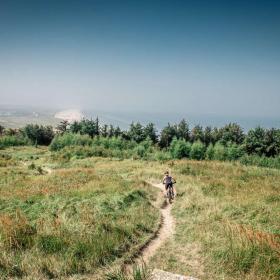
{"points": [[168, 181]]}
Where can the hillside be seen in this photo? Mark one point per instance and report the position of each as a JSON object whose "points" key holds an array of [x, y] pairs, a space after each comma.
{"points": [[70, 217]]}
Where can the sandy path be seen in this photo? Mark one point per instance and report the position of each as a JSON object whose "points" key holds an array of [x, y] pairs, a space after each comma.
{"points": [[48, 170], [165, 231]]}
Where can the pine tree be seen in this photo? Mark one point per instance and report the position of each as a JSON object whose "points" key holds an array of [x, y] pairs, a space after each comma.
{"points": [[167, 134], [136, 132], [150, 132], [62, 127], [207, 135], [183, 130], [2, 128], [104, 130], [197, 133]]}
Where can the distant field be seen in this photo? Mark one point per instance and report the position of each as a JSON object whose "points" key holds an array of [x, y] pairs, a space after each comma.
{"points": [[92, 212], [17, 120]]}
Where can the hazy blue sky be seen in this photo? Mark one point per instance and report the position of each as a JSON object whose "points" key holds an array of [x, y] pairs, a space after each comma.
{"points": [[219, 57]]}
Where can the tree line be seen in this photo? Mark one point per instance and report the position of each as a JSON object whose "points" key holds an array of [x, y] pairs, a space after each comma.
{"points": [[259, 141]]}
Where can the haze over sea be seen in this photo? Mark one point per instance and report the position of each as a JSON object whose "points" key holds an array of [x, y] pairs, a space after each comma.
{"points": [[160, 119]]}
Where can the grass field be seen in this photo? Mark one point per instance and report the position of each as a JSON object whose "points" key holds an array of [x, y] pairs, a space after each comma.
{"points": [[88, 214], [72, 221], [228, 222]]}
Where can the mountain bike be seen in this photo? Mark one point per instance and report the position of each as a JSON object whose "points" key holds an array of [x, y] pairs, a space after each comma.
{"points": [[170, 193]]}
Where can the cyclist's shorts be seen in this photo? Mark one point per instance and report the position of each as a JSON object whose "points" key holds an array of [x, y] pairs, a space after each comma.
{"points": [[168, 185]]}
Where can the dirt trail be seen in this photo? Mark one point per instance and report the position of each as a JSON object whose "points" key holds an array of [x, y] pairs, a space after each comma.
{"points": [[165, 231], [48, 170]]}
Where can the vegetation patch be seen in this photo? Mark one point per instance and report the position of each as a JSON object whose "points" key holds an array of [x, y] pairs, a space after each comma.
{"points": [[72, 221]]}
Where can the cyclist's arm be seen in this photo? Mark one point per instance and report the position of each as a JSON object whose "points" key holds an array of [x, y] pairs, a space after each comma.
{"points": [[174, 181]]}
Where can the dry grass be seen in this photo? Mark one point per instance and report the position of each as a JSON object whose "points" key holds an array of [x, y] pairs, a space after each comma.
{"points": [[227, 215], [227, 222], [76, 220], [259, 238]]}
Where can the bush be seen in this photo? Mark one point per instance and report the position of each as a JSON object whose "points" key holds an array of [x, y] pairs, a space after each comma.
{"points": [[210, 152], [197, 150], [8, 141], [69, 139], [255, 141], [220, 152], [162, 155], [113, 142], [261, 161], [180, 148], [41, 135], [234, 151], [32, 166], [140, 151]]}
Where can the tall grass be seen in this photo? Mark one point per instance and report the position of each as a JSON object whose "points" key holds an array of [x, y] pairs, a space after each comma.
{"points": [[139, 272], [227, 217], [227, 222], [71, 222]]}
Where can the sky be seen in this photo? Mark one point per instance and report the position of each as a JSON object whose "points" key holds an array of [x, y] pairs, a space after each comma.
{"points": [[201, 57]]}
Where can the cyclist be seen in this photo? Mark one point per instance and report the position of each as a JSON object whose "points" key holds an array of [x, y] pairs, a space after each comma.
{"points": [[168, 181]]}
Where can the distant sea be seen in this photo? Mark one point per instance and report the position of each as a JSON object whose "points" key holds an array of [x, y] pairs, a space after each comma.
{"points": [[161, 119], [18, 116]]}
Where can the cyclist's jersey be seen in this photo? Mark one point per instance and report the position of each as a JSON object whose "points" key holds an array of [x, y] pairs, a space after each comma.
{"points": [[168, 180]]}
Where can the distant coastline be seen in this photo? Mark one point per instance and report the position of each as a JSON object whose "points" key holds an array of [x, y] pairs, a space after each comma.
{"points": [[14, 116], [69, 115]]}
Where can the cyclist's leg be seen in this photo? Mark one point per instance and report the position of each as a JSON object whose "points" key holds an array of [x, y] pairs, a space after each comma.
{"points": [[167, 189], [172, 189]]}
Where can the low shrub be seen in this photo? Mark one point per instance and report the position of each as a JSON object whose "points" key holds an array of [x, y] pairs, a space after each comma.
{"points": [[262, 161], [234, 151], [220, 152], [81, 146], [161, 155], [9, 141], [209, 154], [179, 148], [38, 134], [197, 150], [69, 139]]}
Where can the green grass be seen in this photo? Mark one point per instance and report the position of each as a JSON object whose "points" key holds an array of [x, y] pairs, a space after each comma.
{"points": [[93, 213], [227, 222], [72, 221], [139, 272]]}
